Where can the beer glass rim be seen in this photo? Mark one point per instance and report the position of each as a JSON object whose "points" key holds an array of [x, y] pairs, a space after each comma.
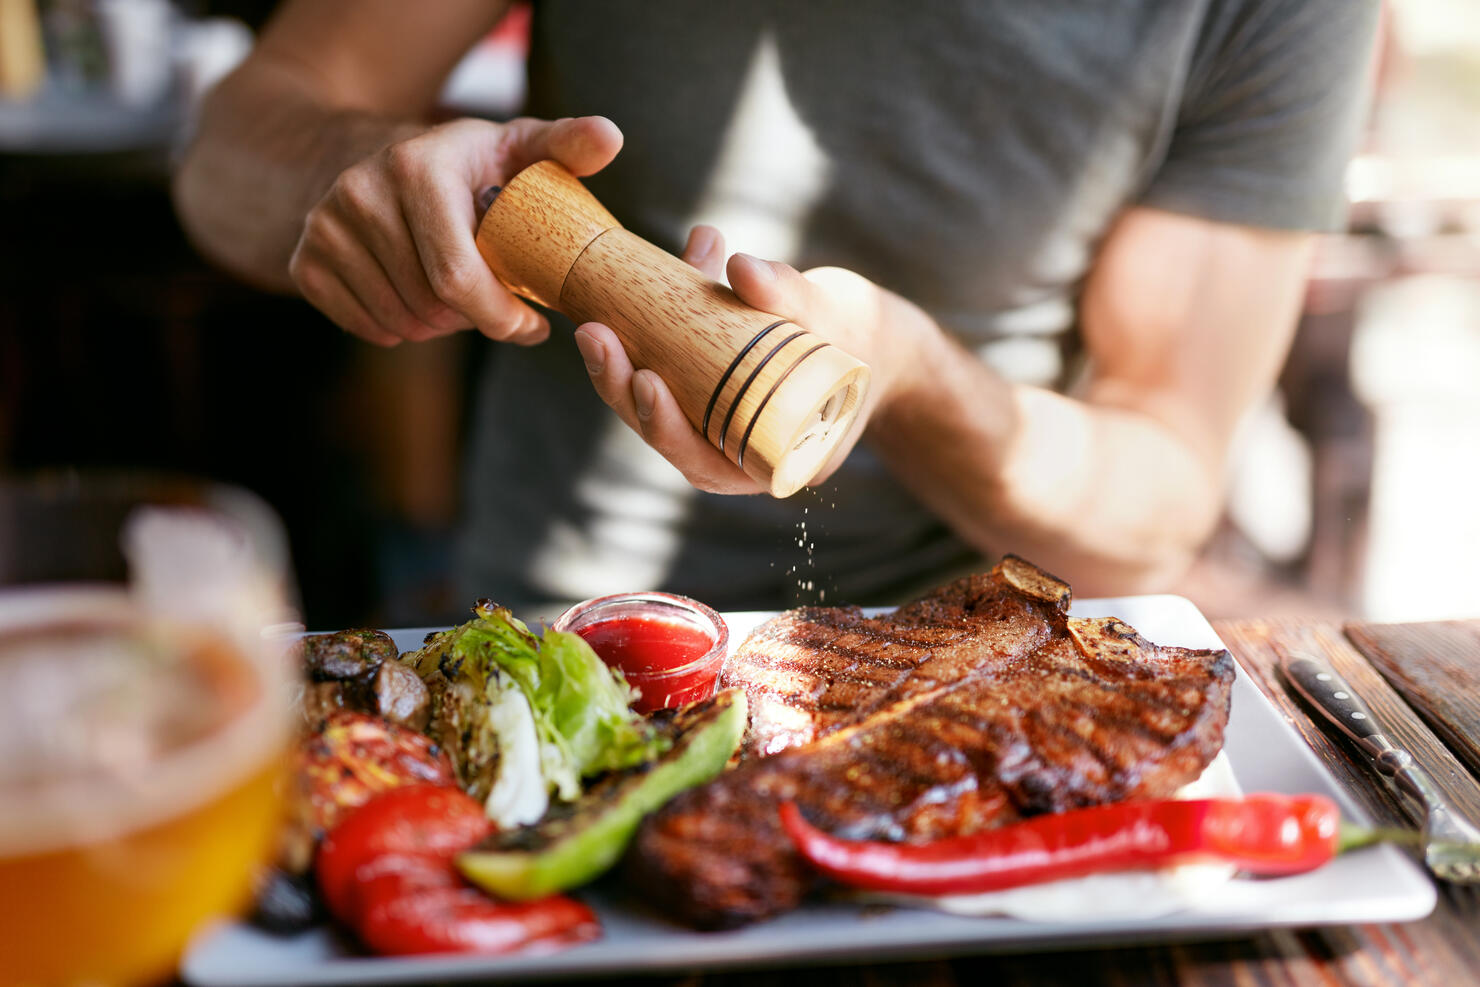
{"points": [[63, 488]]}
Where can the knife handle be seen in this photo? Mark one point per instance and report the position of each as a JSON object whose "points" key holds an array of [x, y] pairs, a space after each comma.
{"points": [[1325, 689]]}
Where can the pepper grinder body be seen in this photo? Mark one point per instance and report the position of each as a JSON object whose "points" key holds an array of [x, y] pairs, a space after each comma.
{"points": [[776, 399]]}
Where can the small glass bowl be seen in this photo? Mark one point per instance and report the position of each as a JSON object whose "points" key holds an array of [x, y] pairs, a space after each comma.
{"points": [[660, 685]]}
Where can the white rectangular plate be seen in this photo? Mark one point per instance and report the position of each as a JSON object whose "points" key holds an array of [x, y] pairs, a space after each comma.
{"points": [[1378, 884]]}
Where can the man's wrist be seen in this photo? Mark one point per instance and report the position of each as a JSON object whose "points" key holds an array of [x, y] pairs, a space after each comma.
{"points": [[902, 368], [942, 405]]}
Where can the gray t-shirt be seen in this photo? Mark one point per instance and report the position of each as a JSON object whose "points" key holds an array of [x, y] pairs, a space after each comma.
{"points": [[967, 154]]}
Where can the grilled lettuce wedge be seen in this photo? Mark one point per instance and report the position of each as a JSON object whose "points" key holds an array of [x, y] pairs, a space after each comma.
{"points": [[578, 841], [526, 717]]}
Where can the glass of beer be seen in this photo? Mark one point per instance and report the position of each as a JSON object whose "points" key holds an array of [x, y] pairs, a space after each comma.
{"points": [[144, 714]]}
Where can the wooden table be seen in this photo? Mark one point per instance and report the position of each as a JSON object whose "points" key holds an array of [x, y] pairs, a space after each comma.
{"points": [[1436, 671]]}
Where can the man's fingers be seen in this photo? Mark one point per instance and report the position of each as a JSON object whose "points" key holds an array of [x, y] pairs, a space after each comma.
{"points": [[335, 237], [609, 369], [442, 222], [664, 426], [834, 303], [705, 251], [769, 286], [361, 272], [439, 176], [397, 229], [393, 246], [585, 145], [324, 290], [643, 401]]}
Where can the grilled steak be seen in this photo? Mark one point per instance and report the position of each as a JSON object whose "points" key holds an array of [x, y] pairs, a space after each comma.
{"points": [[810, 671], [991, 705]]}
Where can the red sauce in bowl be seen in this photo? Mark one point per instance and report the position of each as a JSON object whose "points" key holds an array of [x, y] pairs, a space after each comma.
{"points": [[668, 647]]}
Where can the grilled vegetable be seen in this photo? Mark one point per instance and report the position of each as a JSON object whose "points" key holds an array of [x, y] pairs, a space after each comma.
{"points": [[354, 757], [577, 842], [346, 655], [357, 670], [455, 918], [1262, 834], [417, 820], [386, 872], [524, 716]]}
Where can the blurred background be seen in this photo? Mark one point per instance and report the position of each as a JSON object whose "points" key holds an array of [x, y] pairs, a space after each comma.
{"points": [[1354, 493]]}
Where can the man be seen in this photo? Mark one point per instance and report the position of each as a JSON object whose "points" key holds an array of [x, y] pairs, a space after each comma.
{"points": [[1070, 239]]}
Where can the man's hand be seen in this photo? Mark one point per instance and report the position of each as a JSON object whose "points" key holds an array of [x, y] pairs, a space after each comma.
{"points": [[388, 252], [874, 325]]}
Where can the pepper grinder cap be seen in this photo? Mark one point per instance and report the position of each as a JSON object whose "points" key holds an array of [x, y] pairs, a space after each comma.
{"points": [[536, 228]]}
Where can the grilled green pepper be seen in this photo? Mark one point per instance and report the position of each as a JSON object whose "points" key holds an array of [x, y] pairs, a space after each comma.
{"points": [[578, 841]]}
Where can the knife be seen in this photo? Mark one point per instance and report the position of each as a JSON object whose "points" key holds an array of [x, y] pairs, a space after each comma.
{"points": [[1451, 844]]}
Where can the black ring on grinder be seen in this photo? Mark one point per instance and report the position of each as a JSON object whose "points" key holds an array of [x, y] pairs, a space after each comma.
{"points": [[745, 439], [725, 377], [729, 415]]}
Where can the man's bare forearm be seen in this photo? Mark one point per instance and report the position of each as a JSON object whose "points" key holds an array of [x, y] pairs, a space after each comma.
{"points": [[266, 150], [1185, 324], [1110, 499]]}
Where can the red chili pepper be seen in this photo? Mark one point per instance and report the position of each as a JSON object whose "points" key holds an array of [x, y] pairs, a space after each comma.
{"points": [[387, 872], [1262, 834]]}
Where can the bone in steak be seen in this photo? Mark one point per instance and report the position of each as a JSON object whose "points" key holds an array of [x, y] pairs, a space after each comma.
{"points": [[979, 705]]}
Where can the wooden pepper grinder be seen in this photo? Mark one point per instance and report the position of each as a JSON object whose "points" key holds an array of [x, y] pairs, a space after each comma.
{"points": [[774, 398]]}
